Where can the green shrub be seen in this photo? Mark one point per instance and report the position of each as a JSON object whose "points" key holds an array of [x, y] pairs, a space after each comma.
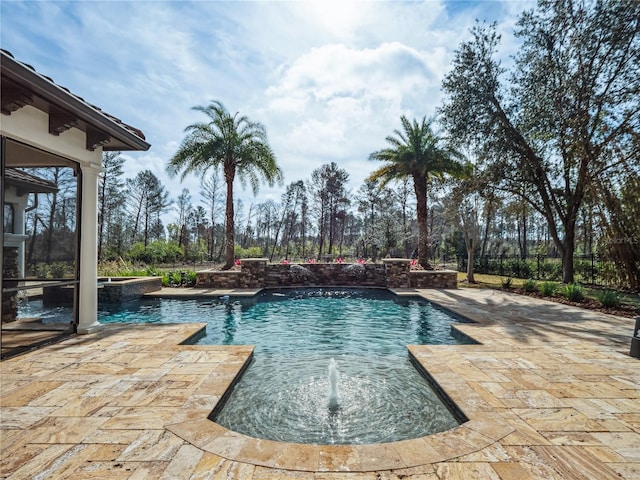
{"points": [[176, 278], [137, 252], [609, 298], [574, 292], [43, 270], [530, 285], [526, 269], [551, 269], [58, 269], [124, 269], [548, 289], [157, 251], [251, 252], [135, 272], [180, 278], [114, 268], [191, 278], [152, 272], [518, 268], [506, 283], [585, 270]]}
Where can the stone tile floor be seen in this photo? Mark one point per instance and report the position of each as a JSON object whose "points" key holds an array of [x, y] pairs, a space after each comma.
{"points": [[550, 393], [24, 335]]}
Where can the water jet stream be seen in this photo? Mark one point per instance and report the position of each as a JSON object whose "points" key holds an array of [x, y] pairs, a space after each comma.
{"points": [[333, 386]]}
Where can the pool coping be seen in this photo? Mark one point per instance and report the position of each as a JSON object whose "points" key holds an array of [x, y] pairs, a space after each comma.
{"points": [[482, 427], [481, 430]]}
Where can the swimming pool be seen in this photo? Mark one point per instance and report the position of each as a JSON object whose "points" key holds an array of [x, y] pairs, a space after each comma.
{"points": [[330, 365]]}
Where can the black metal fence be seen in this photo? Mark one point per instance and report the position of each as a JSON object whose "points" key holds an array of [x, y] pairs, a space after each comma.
{"points": [[588, 269]]}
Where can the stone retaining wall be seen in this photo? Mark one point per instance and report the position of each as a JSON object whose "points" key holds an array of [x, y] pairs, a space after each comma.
{"points": [[325, 275], [433, 279], [221, 279], [392, 273]]}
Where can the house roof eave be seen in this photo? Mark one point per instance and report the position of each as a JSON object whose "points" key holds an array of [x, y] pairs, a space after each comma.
{"points": [[124, 137]]}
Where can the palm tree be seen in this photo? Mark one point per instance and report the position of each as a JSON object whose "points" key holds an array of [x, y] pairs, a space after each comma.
{"points": [[416, 152], [234, 143]]}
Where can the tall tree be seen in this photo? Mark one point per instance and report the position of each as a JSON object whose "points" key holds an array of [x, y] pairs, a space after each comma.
{"points": [[404, 196], [573, 102], [265, 223], [465, 202], [619, 213], [147, 199], [110, 196], [199, 224], [211, 193], [370, 202], [468, 198], [417, 152], [294, 202], [55, 213], [233, 143], [328, 185], [184, 209]]}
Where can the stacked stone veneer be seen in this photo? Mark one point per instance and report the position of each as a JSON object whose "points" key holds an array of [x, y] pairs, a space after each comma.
{"points": [[325, 274], [392, 273], [9, 270], [397, 273], [433, 279], [119, 290]]}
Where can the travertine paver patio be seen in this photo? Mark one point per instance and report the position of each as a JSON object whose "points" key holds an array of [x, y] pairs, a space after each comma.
{"points": [[550, 393]]}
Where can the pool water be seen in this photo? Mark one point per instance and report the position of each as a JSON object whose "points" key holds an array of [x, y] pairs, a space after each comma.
{"points": [[330, 365]]}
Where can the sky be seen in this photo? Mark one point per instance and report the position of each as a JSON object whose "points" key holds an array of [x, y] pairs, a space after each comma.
{"points": [[328, 80]]}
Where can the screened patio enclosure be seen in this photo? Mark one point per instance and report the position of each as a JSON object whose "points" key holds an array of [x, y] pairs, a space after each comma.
{"points": [[51, 156]]}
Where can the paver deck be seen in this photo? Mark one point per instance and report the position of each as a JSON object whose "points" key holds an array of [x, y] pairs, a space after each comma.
{"points": [[27, 334], [551, 393]]}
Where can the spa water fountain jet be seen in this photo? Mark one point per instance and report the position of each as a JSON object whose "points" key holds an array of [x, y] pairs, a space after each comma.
{"points": [[333, 386]]}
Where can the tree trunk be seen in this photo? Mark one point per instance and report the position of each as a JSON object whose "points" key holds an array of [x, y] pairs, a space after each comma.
{"points": [[229, 258], [420, 187], [568, 249], [524, 233], [332, 227], [146, 225], [303, 233], [470, 262], [275, 240], [470, 227], [321, 231]]}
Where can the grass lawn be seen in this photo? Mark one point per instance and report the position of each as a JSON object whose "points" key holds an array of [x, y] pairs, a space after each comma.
{"points": [[495, 281]]}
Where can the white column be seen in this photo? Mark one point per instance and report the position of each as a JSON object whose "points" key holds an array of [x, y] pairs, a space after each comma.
{"points": [[88, 303]]}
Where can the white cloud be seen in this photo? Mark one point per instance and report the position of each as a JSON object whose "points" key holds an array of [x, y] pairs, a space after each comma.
{"points": [[329, 80], [337, 103]]}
